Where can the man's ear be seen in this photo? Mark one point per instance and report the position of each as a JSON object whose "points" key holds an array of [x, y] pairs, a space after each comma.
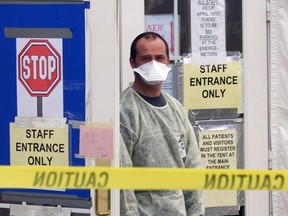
{"points": [[168, 61], [132, 62]]}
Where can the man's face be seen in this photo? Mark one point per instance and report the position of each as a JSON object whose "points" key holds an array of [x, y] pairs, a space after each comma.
{"points": [[148, 50]]}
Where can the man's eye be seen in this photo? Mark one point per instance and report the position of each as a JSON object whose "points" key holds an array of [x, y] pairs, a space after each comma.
{"points": [[145, 58], [160, 57]]}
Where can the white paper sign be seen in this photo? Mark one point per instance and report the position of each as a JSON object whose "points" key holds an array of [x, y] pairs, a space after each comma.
{"points": [[208, 35], [26, 210], [39, 77], [163, 25]]}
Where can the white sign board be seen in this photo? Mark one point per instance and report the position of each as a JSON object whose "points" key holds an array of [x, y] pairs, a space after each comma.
{"points": [[164, 25], [39, 76], [208, 32]]}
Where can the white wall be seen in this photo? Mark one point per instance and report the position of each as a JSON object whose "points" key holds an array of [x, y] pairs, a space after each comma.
{"points": [[279, 98], [256, 100], [109, 24], [112, 23], [102, 50], [103, 57], [132, 24]]}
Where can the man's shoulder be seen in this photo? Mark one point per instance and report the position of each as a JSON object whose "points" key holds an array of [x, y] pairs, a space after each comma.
{"points": [[126, 100], [125, 94]]}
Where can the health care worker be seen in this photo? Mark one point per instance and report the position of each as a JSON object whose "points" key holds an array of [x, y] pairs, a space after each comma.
{"points": [[155, 132]]}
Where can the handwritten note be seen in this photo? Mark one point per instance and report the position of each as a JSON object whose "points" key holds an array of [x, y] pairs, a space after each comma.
{"points": [[96, 142]]}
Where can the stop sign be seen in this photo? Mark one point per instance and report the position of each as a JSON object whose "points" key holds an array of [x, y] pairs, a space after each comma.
{"points": [[39, 67]]}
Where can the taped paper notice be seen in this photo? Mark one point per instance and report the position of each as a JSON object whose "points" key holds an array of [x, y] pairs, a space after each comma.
{"points": [[218, 151], [33, 146], [96, 142], [212, 86], [208, 32]]}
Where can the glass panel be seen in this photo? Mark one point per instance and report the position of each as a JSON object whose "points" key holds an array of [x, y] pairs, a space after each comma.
{"points": [[234, 25], [206, 116], [233, 21]]}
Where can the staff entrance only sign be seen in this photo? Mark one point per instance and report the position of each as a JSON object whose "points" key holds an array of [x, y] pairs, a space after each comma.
{"points": [[38, 146], [212, 86]]}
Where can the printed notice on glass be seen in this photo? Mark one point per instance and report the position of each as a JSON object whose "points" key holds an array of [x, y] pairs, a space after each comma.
{"points": [[213, 86], [208, 35], [163, 25], [218, 150]]}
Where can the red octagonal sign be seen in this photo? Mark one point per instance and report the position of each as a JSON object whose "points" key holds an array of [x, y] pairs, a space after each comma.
{"points": [[39, 67]]}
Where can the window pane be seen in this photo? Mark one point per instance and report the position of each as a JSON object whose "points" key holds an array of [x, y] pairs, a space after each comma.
{"points": [[233, 21]]}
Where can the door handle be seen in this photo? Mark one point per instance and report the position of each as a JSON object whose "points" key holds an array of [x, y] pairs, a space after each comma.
{"points": [[103, 196], [102, 202]]}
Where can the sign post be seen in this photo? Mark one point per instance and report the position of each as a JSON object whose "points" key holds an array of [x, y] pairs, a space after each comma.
{"points": [[39, 70]]}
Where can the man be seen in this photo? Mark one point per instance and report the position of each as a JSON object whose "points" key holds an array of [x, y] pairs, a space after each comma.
{"points": [[155, 132]]}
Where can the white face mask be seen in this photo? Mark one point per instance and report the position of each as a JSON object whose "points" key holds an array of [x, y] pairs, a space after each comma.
{"points": [[153, 72]]}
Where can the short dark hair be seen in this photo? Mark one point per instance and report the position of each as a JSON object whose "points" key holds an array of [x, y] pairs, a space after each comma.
{"points": [[146, 35]]}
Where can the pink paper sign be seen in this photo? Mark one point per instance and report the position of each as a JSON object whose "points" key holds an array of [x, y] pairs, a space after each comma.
{"points": [[96, 142]]}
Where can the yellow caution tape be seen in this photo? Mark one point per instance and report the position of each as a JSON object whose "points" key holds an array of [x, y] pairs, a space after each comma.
{"points": [[141, 178]]}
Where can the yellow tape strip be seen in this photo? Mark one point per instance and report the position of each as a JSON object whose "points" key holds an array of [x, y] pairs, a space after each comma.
{"points": [[141, 178]]}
